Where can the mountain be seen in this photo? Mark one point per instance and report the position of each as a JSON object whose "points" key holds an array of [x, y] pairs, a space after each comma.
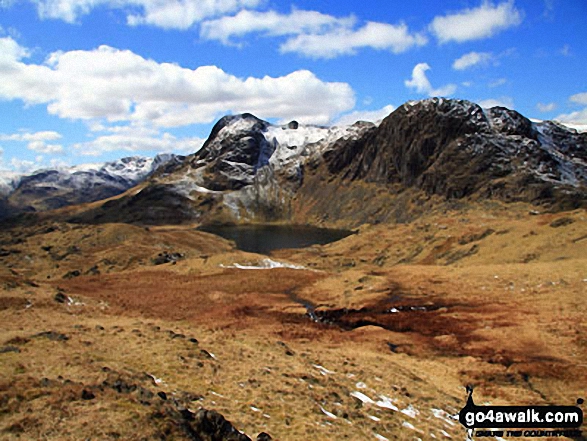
{"points": [[423, 153], [54, 188]]}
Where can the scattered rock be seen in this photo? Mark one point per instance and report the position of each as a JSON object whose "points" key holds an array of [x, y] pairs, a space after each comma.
{"points": [[61, 298], [166, 257], [72, 274], [52, 335], [7, 349], [88, 395], [210, 425], [562, 222], [6, 253], [475, 237], [17, 341], [392, 347], [162, 395], [264, 437], [93, 271]]}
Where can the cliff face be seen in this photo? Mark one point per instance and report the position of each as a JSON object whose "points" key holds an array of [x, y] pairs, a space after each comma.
{"points": [[423, 153], [456, 149]]}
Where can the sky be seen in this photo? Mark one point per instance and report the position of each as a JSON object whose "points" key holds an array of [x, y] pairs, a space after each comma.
{"points": [[95, 80]]}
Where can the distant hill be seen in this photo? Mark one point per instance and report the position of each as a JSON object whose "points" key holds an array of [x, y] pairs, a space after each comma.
{"points": [[55, 188]]}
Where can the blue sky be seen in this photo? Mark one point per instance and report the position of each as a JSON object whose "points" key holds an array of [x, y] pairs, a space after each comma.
{"points": [[94, 80]]}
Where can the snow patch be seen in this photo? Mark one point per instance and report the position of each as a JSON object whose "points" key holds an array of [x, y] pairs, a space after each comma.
{"points": [[386, 403], [323, 370], [264, 264], [328, 414]]}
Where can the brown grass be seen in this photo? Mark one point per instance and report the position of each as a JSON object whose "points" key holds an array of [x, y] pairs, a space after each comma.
{"points": [[508, 318]]}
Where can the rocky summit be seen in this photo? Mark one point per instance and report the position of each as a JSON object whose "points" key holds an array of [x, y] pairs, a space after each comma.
{"points": [[252, 171]]}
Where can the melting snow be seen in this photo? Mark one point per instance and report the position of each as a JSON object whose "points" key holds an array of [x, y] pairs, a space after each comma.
{"points": [[386, 403], [408, 425], [265, 264], [328, 414], [411, 411], [443, 415], [323, 370], [362, 397]]}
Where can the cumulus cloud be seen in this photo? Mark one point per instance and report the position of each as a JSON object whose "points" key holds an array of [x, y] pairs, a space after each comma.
{"points": [[546, 107], [576, 120], [579, 98], [476, 23], [137, 138], [504, 101], [168, 14], [498, 82], [37, 141], [25, 165], [270, 23], [312, 33], [421, 84], [472, 59], [119, 85], [346, 41], [365, 115]]}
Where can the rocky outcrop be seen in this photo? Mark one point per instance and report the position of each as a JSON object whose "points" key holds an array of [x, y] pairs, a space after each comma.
{"points": [[456, 149]]}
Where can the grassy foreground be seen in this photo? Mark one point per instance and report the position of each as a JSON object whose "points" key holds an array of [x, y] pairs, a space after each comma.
{"points": [[106, 331]]}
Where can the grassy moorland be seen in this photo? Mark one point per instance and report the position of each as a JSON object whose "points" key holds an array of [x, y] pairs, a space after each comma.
{"points": [[106, 331]]}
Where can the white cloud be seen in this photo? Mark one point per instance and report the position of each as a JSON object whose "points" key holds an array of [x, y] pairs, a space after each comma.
{"points": [[271, 23], [504, 101], [421, 84], [574, 119], [546, 107], [566, 50], [42, 147], [472, 59], [119, 85], [579, 98], [477, 23], [31, 137], [167, 14], [374, 35], [365, 115], [497, 83], [134, 139], [36, 141], [24, 165]]}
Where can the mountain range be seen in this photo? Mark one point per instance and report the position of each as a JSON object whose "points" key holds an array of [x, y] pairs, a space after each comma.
{"points": [[49, 189], [249, 170]]}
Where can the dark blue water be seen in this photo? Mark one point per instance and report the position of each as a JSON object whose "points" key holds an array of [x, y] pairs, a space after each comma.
{"points": [[263, 239]]}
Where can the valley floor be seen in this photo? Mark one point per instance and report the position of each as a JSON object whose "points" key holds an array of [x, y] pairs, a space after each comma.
{"points": [[108, 332]]}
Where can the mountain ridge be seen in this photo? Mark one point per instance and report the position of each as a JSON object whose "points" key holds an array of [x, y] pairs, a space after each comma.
{"points": [[47, 189], [424, 153]]}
